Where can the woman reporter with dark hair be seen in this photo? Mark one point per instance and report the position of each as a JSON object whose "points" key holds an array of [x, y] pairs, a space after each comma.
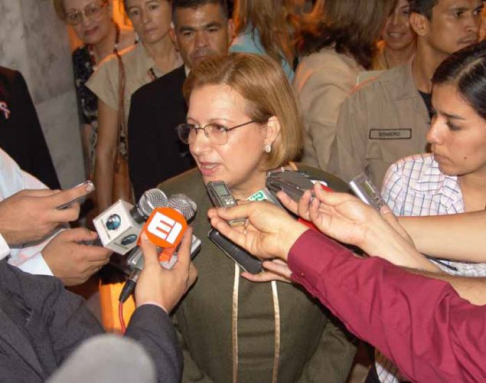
{"points": [[243, 121], [336, 47]]}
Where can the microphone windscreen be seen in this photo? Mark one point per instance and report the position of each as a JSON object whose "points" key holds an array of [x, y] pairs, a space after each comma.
{"points": [[152, 199], [182, 203]]}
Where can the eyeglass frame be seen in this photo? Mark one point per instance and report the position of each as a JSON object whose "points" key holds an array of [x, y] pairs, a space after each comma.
{"points": [[203, 128], [82, 13]]}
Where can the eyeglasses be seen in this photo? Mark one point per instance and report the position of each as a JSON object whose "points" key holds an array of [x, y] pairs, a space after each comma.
{"points": [[216, 133], [92, 11]]}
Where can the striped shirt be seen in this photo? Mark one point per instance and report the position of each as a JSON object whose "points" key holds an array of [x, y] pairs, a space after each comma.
{"points": [[415, 186]]}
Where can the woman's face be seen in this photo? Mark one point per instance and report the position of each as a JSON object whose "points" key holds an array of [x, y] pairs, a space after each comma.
{"points": [[397, 32], [92, 29], [150, 18], [457, 134], [238, 161]]}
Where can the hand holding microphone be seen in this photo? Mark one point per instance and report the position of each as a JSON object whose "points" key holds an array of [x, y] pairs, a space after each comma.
{"points": [[165, 229], [158, 285], [71, 260]]}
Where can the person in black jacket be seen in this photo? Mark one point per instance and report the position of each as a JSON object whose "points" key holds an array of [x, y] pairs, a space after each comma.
{"points": [[201, 28], [21, 134]]}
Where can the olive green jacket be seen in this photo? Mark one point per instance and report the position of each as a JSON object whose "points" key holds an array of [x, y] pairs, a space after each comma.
{"points": [[312, 348]]}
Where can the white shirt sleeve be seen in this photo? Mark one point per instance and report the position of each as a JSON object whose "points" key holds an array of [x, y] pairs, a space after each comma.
{"points": [[36, 265], [4, 248], [12, 180]]}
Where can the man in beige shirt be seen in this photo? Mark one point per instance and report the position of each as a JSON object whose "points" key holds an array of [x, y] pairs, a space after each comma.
{"points": [[387, 119]]}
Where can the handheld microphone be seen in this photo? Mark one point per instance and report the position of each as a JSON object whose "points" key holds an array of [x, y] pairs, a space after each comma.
{"points": [[119, 226], [164, 228], [181, 204]]}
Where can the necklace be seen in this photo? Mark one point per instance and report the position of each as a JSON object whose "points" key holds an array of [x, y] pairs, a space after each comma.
{"points": [[115, 47]]}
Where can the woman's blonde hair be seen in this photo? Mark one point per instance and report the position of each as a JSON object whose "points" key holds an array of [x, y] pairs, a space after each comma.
{"points": [[263, 84], [274, 20]]}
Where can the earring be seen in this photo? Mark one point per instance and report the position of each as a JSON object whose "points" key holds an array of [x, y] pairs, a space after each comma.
{"points": [[267, 148]]}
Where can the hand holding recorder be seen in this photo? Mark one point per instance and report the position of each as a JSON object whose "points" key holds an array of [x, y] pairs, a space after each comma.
{"points": [[71, 260], [31, 215]]}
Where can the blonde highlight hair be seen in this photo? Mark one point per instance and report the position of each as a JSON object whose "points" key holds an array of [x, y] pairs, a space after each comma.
{"points": [[264, 85], [276, 23]]}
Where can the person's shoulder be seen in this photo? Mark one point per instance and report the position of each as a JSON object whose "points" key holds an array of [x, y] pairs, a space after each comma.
{"points": [[8, 74], [30, 286], [415, 165], [385, 80], [187, 180], [326, 66], [421, 159], [327, 58], [112, 60], [169, 83], [189, 183], [247, 42], [332, 181]]}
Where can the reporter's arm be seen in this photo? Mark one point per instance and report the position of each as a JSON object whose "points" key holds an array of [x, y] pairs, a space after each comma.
{"points": [[348, 220], [472, 289], [380, 303], [458, 237], [158, 291]]}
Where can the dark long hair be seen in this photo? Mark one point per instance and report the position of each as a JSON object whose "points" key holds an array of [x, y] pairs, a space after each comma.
{"points": [[466, 70], [352, 27]]}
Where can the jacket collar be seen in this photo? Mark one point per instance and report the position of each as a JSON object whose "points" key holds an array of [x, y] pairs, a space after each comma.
{"points": [[15, 339], [404, 88]]}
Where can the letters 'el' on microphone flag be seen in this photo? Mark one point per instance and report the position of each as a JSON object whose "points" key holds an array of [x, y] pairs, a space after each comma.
{"points": [[165, 228]]}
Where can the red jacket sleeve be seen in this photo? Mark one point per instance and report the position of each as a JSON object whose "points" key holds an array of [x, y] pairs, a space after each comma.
{"points": [[419, 323]]}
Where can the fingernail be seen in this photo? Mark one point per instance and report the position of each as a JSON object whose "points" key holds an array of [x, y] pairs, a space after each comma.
{"points": [[144, 236], [90, 187]]}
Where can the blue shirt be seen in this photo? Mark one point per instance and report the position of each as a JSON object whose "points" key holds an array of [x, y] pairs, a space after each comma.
{"points": [[249, 42]]}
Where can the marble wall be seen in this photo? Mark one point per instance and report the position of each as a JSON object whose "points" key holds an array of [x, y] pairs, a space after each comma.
{"points": [[35, 42]]}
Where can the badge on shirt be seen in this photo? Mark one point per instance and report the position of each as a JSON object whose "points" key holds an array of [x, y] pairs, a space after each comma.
{"points": [[390, 134], [4, 109]]}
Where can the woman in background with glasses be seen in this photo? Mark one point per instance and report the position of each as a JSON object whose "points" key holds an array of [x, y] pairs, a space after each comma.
{"points": [[242, 122], [91, 21]]}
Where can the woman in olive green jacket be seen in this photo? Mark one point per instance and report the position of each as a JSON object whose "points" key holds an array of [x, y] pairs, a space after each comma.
{"points": [[233, 330]]}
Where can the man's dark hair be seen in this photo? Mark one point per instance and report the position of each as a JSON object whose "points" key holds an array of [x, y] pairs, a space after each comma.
{"points": [[176, 4], [423, 7]]}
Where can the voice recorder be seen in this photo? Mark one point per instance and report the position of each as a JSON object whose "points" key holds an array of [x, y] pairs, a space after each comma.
{"points": [[293, 183], [221, 197], [367, 191]]}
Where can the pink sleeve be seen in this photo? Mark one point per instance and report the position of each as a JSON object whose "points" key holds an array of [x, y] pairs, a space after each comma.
{"points": [[419, 323]]}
